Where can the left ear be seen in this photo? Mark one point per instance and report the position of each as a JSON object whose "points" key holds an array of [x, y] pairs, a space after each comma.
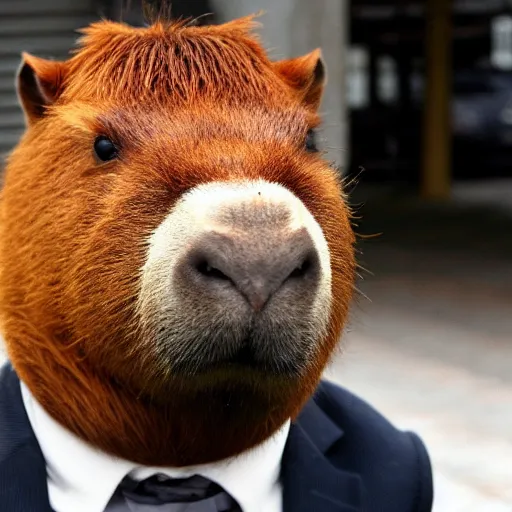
{"points": [[307, 74], [39, 85]]}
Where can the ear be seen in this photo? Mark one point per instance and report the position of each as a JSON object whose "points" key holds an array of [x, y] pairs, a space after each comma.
{"points": [[39, 85], [307, 74]]}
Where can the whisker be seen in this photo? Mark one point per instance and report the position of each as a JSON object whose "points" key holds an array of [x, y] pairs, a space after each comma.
{"points": [[361, 293]]}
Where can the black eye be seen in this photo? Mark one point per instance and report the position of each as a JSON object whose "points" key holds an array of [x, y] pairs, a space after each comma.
{"points": [[310, 143], [105, 149]]}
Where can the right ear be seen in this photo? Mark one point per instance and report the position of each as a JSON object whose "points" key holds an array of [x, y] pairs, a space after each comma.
{"points": [[39, 84], [306, 74]]}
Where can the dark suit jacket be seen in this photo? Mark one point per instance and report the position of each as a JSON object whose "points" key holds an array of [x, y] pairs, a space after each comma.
{"points": [[341, 456]]}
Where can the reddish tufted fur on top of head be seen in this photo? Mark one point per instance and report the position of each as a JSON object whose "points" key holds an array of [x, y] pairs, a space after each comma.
{"points": [[184, 106]]}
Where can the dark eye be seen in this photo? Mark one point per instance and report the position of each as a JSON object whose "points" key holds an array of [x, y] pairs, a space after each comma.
{"points": [[310, 143], [105, 149]]}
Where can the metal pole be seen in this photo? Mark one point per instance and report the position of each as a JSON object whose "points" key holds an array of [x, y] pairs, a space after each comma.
{"points": [[436, 175]]}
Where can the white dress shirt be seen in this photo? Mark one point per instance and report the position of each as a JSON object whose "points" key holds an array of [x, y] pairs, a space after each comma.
{"points": [[83, 479]]}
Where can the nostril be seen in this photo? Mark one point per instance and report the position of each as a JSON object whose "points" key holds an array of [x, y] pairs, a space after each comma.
{"points": [[207, 270], [301, 270]]}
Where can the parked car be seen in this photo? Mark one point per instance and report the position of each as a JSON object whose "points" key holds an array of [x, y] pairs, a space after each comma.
{"points": [[482, 123], [387, 140]]}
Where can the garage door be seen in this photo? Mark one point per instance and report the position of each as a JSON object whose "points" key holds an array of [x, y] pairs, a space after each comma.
{"points": [[45, 28]]}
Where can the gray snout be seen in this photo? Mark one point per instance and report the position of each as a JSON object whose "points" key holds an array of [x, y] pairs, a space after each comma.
{"points": [[254, 265], [238, 275]]}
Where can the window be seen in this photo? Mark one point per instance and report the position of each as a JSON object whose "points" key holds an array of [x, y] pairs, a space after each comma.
{"points": [[501, 30], [387, 80], [358, 79]]}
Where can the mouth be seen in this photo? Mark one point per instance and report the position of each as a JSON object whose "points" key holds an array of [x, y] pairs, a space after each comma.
{"points": [[245, 361], [245, 356]]}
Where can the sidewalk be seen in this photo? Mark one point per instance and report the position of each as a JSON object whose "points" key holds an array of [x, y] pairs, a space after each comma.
{"points": [[464, 419], [431, 345]]}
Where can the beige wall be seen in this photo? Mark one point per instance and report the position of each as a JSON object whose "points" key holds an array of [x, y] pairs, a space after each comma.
{"points": [[294, 27]]}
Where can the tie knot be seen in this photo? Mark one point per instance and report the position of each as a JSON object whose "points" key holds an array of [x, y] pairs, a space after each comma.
{"points": [[164, 489], [162, 493]]}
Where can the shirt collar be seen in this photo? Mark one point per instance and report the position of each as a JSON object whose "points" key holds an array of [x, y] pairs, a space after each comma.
{"points": [[83, 479]]}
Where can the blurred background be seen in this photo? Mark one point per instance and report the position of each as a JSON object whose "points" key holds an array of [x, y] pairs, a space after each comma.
{"points": [[418, 117]]}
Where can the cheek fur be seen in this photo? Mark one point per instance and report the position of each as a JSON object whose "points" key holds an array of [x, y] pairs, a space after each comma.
{"points": [[72, 254]]}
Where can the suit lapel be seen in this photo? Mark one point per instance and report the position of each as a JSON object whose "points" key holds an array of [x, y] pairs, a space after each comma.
{"points": [[310, 481], [22, 467]]}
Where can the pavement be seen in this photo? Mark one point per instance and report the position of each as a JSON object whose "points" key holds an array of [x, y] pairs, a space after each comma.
{"points": [[430, 340], [436, 377]]}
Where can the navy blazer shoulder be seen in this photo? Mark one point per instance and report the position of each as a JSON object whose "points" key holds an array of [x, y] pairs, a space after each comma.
{"points": [[393, 466], [340, 456]]}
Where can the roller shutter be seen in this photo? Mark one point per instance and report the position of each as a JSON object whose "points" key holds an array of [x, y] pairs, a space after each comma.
{"points": [[46, 28]]}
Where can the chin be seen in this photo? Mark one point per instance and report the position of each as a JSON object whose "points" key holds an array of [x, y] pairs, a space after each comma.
{"points": [[258, 382]]}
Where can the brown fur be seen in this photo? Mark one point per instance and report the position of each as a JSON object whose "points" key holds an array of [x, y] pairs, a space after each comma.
{"points": [[186, 105]]}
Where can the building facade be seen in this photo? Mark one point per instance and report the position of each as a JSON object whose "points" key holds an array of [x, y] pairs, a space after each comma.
{"points": [[294, 27], [47, 28]]}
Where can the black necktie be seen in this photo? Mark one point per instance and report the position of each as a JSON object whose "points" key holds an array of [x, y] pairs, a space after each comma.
{"points": [[160, 493]]}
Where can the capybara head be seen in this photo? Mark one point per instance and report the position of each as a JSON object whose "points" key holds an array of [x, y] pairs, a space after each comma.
{"points": [[176, 256]]}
